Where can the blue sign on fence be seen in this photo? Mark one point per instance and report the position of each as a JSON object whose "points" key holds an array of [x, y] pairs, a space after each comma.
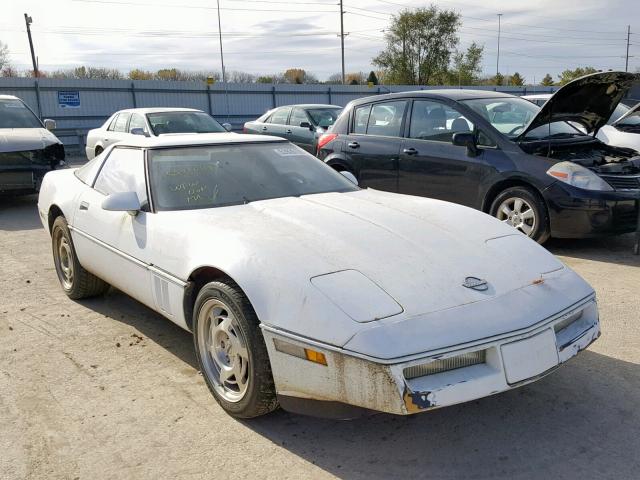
{"points": [[69, 99]]}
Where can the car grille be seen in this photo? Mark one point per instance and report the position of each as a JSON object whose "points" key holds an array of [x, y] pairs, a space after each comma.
{"points": [[623, 182], [626, 217]]}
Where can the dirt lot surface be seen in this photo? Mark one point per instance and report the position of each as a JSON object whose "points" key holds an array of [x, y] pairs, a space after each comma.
{"points": [[106, 388]]}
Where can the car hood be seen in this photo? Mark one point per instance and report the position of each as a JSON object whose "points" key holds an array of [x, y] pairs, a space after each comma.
{"points": [[408, 258], [24, 139], [589, 101]]}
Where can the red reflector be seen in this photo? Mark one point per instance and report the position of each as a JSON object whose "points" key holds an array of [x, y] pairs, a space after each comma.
{"points": [[326, 138]]}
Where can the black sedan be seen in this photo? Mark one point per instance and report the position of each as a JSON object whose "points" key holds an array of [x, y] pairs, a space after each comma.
{"points": [[525, 165]]}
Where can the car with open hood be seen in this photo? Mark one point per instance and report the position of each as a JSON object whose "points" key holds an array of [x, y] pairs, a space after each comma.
{"points": [[528, 166], [150, 122], [28, 148], [303, 290]]}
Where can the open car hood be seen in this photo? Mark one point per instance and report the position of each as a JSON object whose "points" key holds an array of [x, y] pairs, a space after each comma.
{"points": [[588, 101], [633, 111]]}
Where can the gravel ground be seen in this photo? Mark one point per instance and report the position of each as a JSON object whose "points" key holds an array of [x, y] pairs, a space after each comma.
{"points": [[106, 388]]}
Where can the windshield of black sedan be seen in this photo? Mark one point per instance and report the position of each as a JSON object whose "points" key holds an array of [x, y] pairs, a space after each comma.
{"points": [[510, 115], [183, 122], [14, 114], [221, 175]]}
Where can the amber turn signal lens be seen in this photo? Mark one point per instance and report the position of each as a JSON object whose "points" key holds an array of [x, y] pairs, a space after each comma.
{"points": [[316, 357]]}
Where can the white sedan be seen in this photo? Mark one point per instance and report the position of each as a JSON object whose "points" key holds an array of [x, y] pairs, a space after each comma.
{"points": [[303, 290], [149, 122]]}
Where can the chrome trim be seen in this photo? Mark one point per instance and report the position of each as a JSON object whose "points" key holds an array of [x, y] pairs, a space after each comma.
{"points": [[417, 357], [152, 268]]}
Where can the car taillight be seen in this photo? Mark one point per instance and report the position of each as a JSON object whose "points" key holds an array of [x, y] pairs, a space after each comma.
{"points": [[326, 138], [244, 129]]}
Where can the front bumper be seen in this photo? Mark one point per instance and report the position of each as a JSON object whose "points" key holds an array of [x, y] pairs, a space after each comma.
{"points": [[23, 171], [578, 213], [374, 385]]}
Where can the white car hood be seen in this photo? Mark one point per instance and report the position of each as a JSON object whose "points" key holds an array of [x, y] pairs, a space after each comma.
{"points": [[417, 250], [24, 139]]}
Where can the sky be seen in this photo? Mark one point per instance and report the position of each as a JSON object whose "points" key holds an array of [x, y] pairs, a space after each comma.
{"points": [[268, 36]]}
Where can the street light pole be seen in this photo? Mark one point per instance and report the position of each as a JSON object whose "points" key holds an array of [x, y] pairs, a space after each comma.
{"points": [[224, 73], [626, 65], [342, 38], [28, 20], [498, 57]]}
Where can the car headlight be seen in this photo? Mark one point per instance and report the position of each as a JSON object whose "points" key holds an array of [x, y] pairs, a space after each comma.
{"points": [[578, 176]]}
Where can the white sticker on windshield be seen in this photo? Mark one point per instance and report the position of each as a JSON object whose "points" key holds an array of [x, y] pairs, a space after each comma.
{"points": [[12, 104], [288, 151]]}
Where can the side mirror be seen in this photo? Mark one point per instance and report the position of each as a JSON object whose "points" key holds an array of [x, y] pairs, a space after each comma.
{"points": [[306, 125], [139, 131], [49, 124], [122, 202], [227, 127], [349, 176], [466, 139]]}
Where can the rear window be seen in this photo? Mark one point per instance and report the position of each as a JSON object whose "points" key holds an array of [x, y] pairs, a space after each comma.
{"points": [[183, 122], [15, 114]]}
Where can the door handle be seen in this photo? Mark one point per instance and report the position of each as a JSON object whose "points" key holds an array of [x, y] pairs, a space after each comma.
{"points": [[353, 145], [287, 131], [264, 128], [84, 206], [410, 151], [106, 140]]}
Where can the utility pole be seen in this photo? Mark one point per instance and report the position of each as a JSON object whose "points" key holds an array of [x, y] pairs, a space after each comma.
{"points": [[342, 38], [224, 73], [28, 20], [626, 65], [498, 57]]}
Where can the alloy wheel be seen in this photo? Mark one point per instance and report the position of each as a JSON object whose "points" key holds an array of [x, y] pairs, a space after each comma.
{"points": [[518, 213]]}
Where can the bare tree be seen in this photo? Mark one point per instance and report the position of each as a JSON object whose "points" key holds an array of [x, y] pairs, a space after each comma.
{"points": [[4, 56]]}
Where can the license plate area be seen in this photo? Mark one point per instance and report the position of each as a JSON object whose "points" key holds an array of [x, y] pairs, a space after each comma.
{"points": [[530, 357]]}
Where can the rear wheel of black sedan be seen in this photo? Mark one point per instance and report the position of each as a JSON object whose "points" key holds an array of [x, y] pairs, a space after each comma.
{"points": [[523, 209], [231, 351]]}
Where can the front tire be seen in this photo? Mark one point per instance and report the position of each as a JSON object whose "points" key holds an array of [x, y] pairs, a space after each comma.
{"points": [[523, 209], [231, 351], [76, 282]]}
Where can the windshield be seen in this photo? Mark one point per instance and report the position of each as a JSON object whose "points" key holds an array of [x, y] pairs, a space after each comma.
{"points": [[14, 114], [324, 117], [217, 176], [510, 115], [617, 113], [183, 122]]}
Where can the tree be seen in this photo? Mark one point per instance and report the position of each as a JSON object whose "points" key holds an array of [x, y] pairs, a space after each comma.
{"points": [[569, 75], [295, 75], [547, 81], [236, 76], [517, 80], [335, 79], [4, 56], [355, 78], [498, 79], [137, 74], [467, 66], [419, 46], [372, 78]]}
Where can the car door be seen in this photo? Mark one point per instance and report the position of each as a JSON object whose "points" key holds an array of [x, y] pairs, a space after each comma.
{"points": [[373, 144], [113, 245], [303, 136], [276, 124], [117, 130], [431, 166]]}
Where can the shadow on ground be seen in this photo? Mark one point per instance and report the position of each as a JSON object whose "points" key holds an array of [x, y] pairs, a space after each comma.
{"points": [[617, 249], [19, 213], [581, 421]]}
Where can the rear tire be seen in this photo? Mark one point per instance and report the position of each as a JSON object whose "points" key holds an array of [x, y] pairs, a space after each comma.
{"points": [[231, 352], [76, 282], [524, 209]]}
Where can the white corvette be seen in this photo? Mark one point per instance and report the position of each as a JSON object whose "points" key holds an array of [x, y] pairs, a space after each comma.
{"points": [[303, 290]]}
